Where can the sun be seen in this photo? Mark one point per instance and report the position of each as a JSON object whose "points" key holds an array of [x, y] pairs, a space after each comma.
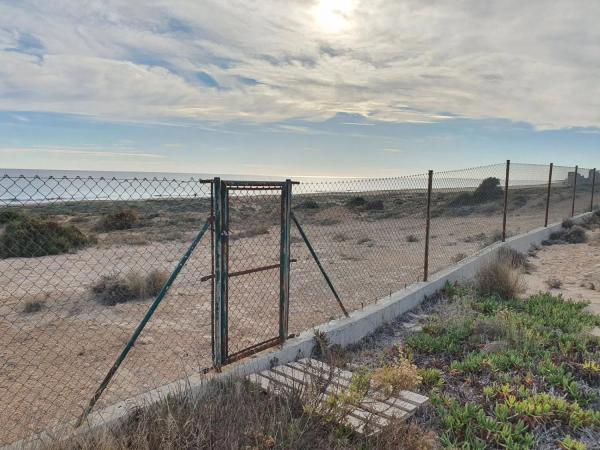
{"points": [[333, 16]]}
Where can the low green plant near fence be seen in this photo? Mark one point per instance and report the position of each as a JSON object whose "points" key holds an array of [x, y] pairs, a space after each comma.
{"points": [[30, 237]]}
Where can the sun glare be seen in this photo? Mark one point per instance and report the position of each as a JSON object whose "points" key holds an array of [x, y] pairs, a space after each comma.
{"points": [[333, 16]]}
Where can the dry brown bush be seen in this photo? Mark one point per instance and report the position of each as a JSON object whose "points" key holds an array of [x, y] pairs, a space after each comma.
{"points": [[401, 376], [500, 278], [155, 280], [118, 288], [124, 219], [554, 283]]}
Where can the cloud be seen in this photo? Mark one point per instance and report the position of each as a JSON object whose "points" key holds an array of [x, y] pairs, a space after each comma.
{"points": [[80, 152], [393, 150], [399, 61]]}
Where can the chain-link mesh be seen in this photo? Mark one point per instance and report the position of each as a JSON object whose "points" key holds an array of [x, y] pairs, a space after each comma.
{"points": [[369, 236], [466, 213], [583, 191], [82, 258], [80, 261], [254, 248], [527, 197], [561, 194]]}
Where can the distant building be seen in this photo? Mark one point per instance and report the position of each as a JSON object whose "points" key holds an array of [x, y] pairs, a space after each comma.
{"points": [[581, 179]]}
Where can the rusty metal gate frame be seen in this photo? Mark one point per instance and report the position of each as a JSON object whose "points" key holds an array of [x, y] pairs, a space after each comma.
{"points": [[220, 269]]}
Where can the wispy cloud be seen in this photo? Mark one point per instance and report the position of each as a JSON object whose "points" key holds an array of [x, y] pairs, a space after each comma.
{"points": [[393, 150], [19, 118], [79, 152], [294, 129], [180, 62]]}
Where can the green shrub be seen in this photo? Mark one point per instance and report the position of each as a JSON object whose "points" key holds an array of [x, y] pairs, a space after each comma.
{"points": [[356, 202], [469, 426], [309, 203], [31, 237], [450, 340], [575, 235], [568, 443], [9, 215], [374, 205], [431, 377], [544, 408], [124, 219], [487, 191], [567, 223]]}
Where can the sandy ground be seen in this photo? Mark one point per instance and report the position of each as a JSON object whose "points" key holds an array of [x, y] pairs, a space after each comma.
{"points": [[52, 361], [576, 266]]}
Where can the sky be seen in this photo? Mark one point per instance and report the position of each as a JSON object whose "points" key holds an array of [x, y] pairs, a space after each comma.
{"points": [[298, 88]]}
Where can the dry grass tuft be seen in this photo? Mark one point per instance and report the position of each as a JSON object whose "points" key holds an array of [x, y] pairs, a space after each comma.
{"points": [[124, 219], [572, 235], [117, 288], [239, 415], [32, 306], [554, 283], [500, 278], [250, 232], [401, 376], [514, 258]]}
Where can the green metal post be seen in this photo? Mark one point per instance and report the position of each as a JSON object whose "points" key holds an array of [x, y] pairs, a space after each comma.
{"points": [[574, 191], [129, 345], [220, 259], [284, 260], [548, 196], [505, 201], [593, 189], [316, 258], [427, 226]]}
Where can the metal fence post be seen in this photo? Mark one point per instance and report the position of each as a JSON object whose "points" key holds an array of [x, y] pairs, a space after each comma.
{"points": [[284, 260], [548, 196], [574, 191], [593, 188], [427, 226], [505, 200], [220, 270]]}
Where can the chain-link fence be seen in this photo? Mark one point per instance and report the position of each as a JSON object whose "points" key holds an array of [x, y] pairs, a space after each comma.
{"points": [[83, 259]]}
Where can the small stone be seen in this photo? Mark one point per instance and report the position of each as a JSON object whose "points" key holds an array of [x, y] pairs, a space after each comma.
{"points": [[595, 332], [495, 347], [413, 326]]}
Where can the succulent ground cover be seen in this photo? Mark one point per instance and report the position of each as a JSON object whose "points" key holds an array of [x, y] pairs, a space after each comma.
{"points": [[511, 373]]}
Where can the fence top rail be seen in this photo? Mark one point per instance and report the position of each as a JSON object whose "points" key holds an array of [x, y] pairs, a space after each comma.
{"points": [[238, 184]]}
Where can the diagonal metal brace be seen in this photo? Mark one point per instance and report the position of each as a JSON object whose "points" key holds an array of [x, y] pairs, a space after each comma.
{"points": [[316, 258], [142, 324]]}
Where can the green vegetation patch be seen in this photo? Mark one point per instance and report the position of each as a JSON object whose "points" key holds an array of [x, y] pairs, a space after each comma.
{"points": [[31, 237], [489, 190], [515, 374]]}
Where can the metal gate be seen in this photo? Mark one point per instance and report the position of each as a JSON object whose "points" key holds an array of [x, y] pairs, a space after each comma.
{"points": [[251, 267]]}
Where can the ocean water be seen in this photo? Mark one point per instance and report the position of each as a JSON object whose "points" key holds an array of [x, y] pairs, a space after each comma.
{"points": [[27, 186]]}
